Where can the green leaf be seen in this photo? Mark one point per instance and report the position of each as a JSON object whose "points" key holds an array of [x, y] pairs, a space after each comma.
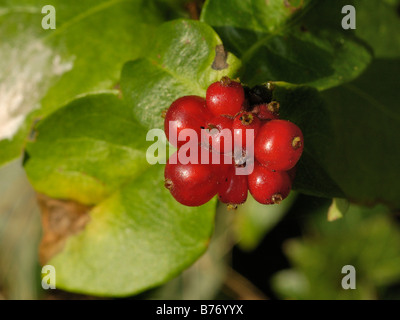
{"points": [[286, 43], [350, 132], [44, 69], [363, 158], [86, 150], [377, 22], [138, 238], [94, 152], [181, 63], [244, 23], [365, 238], [253, 16]]}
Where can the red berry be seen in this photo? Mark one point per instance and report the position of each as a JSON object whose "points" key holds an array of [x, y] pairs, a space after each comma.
{"points": [[225, 97], [267, 186], [191, 184], [188, 112], [218, 137], [244, 121], [233, 189], [279, 145]]}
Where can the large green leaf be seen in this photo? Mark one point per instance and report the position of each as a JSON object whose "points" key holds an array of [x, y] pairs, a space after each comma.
{"points": [[86, 150], [350, 132], [43, 69], [93, 151], [282, 41], [181, 63], [377, 23], [349, 135], [138, 238], [244, 23], [363, 158]]}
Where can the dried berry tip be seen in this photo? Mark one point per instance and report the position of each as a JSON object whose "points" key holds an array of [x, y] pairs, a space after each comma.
{"points": [[273, 106], [276, 198], [296, 142], [164, 113], [231, 206], [225, 81], [168, 183], [246, 119]]}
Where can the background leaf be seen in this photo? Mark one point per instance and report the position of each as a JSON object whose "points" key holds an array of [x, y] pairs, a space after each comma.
{"points": [[86, 150], [365, 120], [349, 133], [280, 41], [377, 21], [244, 23], [143, 240], [137, 227], [179, 64], [44, 69]]}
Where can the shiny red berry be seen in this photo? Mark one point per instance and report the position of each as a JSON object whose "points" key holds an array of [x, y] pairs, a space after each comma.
{"points": [[233, 189], [188, 112], [243, 122], [191, 184], [279, 145], [225, 97], [218, 136], [268, 186]]}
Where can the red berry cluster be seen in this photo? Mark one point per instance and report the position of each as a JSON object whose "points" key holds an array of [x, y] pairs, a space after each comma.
{"points": [[277, 144]]}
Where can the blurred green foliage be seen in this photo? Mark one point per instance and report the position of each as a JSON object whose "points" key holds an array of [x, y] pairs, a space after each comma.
{"points": [[366, 238]]}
